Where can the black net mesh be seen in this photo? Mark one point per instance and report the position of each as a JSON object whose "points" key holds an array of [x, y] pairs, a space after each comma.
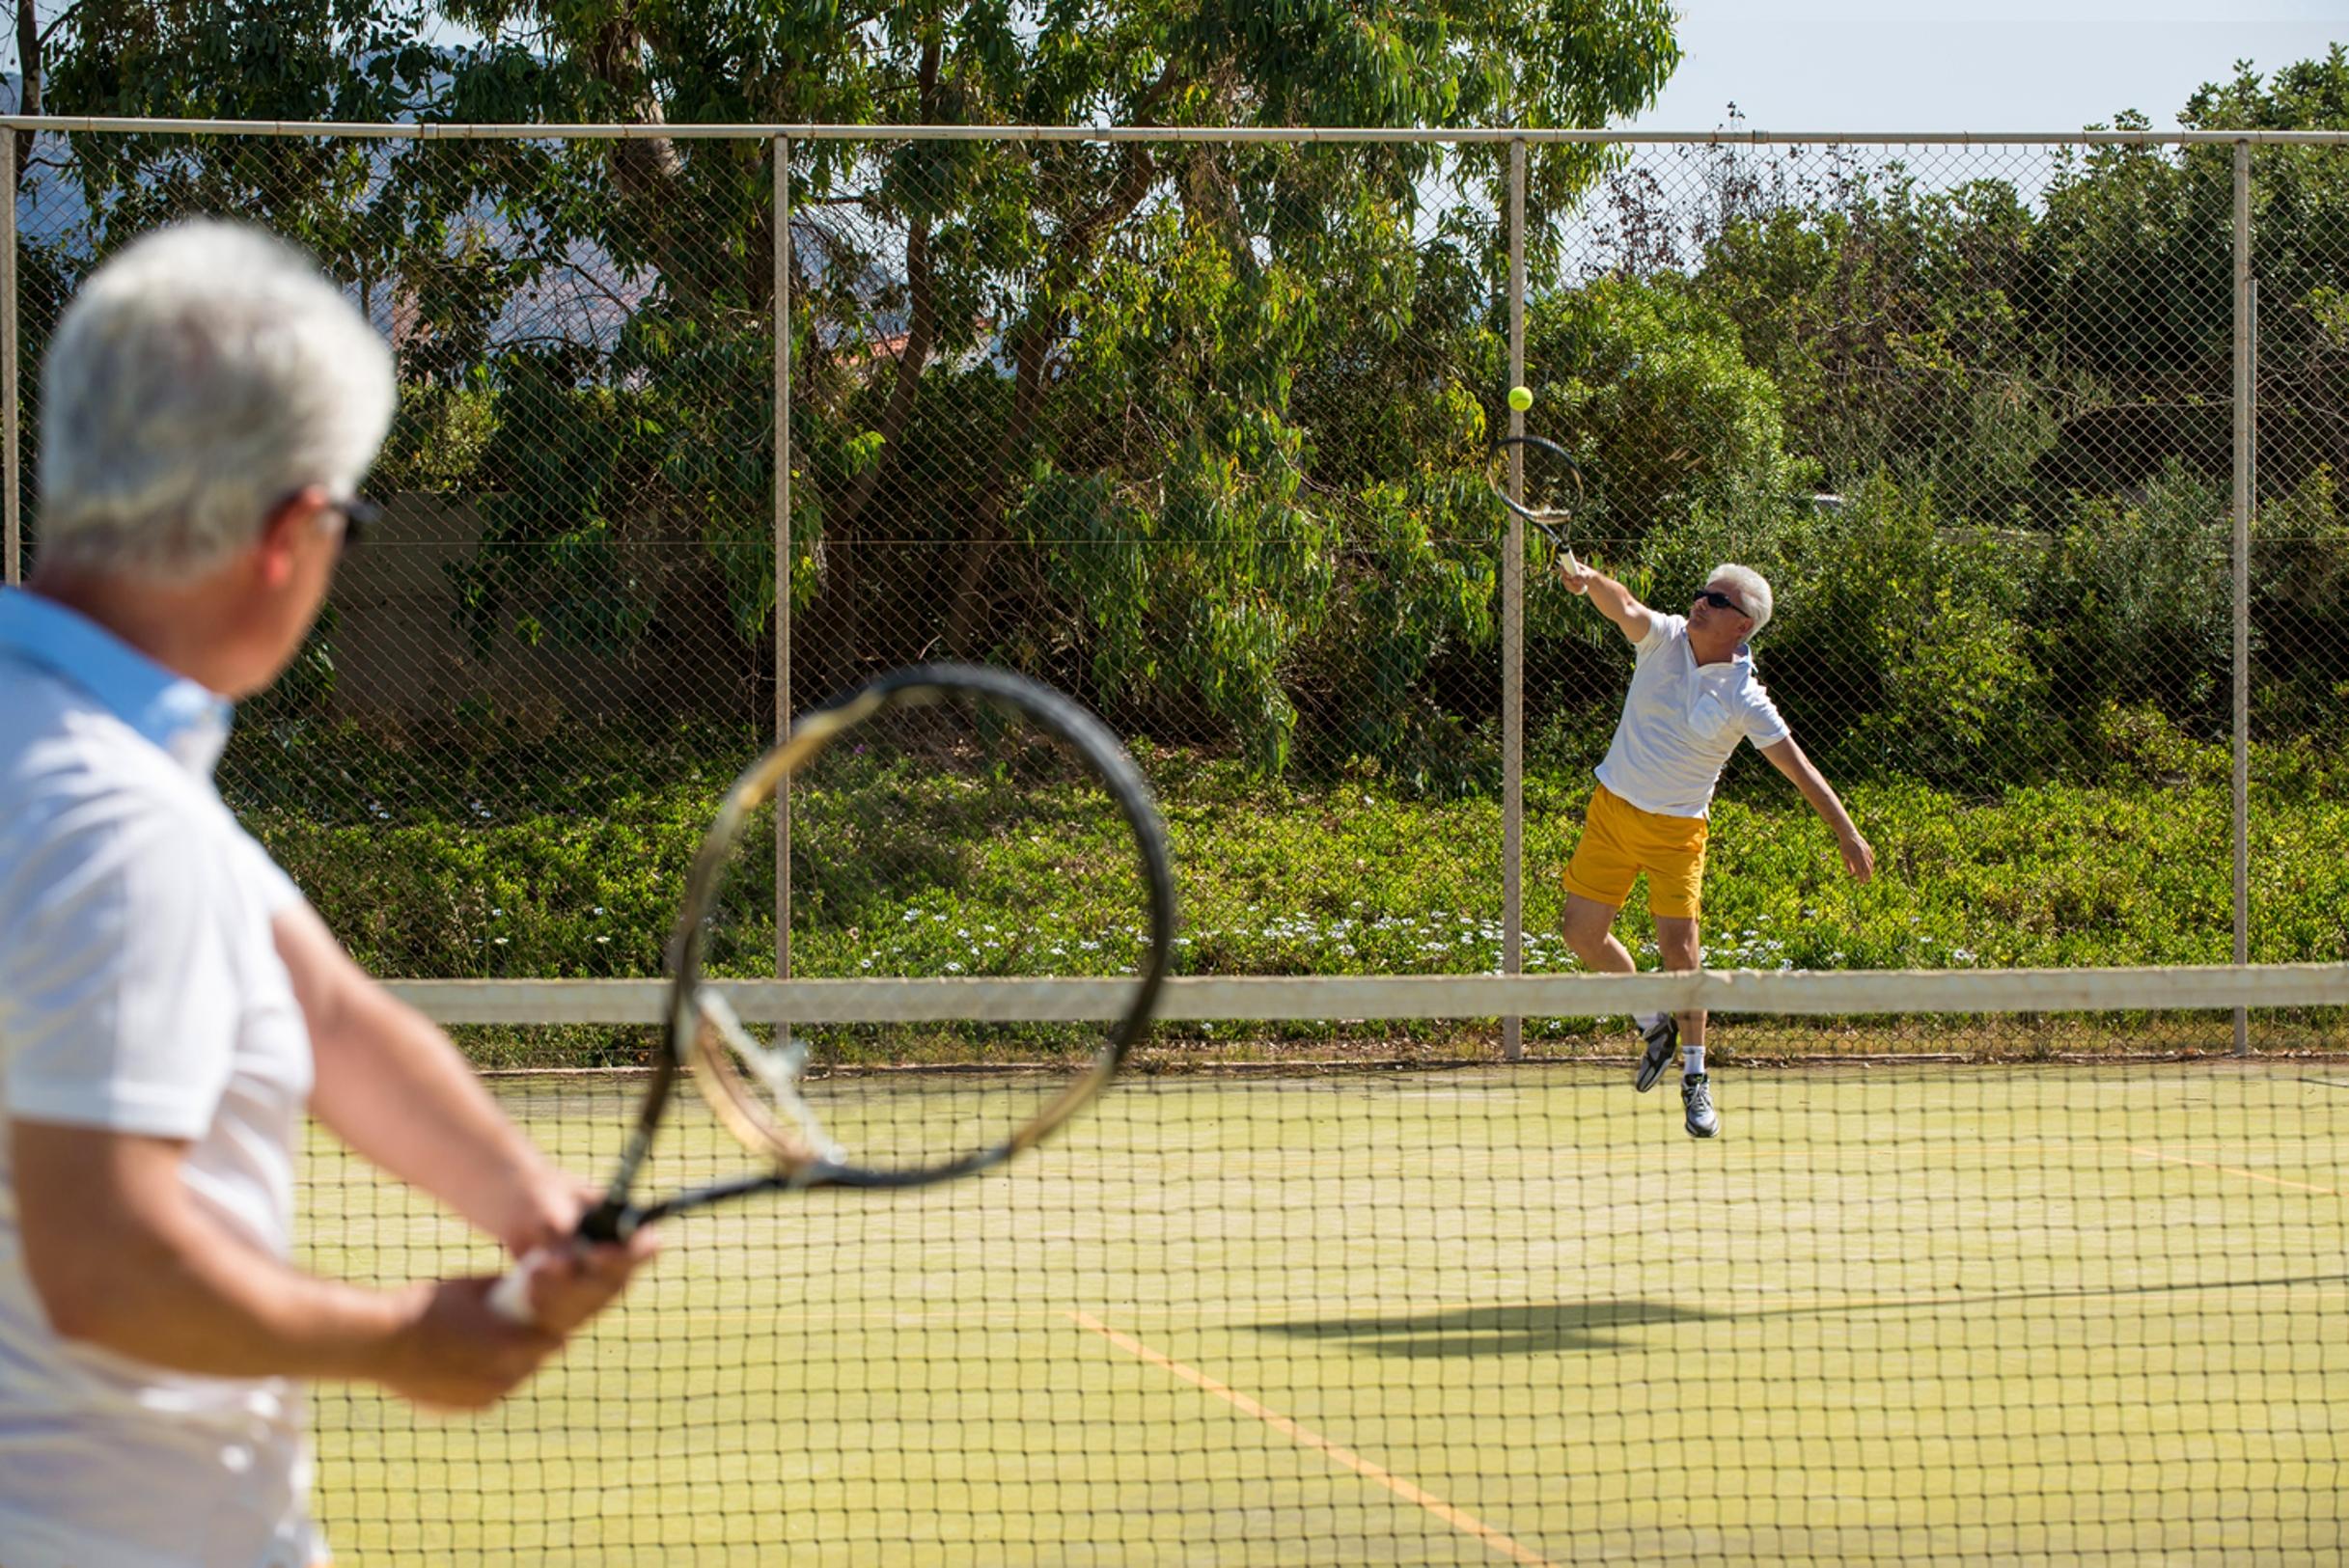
{"points": [[1305, 1307], [1196, 430]]}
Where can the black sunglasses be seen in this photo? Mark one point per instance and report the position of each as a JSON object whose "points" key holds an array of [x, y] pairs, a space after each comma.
{"points": [[1718, 600], [358, 516]]}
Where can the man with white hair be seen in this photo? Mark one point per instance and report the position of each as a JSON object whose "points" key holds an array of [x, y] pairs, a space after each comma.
{"points": [[1692, 698], [168, 1004]]}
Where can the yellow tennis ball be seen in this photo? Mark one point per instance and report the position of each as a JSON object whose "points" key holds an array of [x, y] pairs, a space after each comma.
{"points": [[1521, 398]]}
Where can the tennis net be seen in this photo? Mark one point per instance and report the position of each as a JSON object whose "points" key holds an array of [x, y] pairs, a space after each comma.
{"points": [[1980, 1266]]}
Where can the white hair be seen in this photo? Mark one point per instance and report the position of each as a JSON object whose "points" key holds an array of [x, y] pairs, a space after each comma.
{"points": [[200, 379], [1752, 588]]}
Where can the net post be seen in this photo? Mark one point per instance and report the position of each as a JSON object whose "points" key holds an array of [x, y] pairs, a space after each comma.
{"points": [[779, 154], [2245, 454], [12, 547], [1513, 637]]}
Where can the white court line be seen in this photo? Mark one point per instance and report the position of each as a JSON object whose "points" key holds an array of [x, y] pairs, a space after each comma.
{"points": [[1459, 1519], [2234, 1171]]}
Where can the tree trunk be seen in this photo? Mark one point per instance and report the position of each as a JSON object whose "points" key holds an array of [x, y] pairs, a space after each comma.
{"points": [[1031, 341], [921, 330], [28, 82], [647, 173]]}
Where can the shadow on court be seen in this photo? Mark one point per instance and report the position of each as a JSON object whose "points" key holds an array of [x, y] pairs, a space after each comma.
{"points": [[1582, 1326], [1492, 1331]]}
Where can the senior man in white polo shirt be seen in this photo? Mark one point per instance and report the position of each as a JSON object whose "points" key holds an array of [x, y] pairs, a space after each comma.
{"points": [[1692, 698], [169, 1006]]}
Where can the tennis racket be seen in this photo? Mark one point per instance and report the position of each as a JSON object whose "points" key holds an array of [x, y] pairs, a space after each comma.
{"points": [[1541, 482], [947, 821]]}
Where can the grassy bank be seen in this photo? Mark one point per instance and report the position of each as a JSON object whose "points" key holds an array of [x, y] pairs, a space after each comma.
{"points": [[1344, 876]]}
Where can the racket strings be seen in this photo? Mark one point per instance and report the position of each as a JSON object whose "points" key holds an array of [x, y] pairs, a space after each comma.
{"points": [[781, 1126], [972, 827], [1542, 482]]}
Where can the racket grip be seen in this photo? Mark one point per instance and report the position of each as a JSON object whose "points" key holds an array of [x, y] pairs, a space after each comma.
{"points": [[509, 1298]]}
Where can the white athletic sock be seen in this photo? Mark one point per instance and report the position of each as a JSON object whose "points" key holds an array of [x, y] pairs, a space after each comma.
{"points": [[1692, 1060], [1646, 1019]]}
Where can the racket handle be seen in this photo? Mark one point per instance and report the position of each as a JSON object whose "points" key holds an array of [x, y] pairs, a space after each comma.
{"points": [[509, 1298], [607, 1221]]}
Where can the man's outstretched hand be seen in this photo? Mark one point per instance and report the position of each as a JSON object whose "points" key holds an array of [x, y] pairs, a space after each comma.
{"points": [[1859, 859]]}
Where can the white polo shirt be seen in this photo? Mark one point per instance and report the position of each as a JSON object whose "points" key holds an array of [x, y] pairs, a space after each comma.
{"points": [[140, 991], [1682, 720]]}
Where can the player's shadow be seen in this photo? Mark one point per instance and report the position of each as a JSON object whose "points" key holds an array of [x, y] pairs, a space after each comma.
{"points": [[1492, 1331]]}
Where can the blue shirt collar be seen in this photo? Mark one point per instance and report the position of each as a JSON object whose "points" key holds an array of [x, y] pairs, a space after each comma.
{"points": [[184, 718]]}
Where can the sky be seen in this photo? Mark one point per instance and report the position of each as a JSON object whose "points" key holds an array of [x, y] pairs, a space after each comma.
{"points": [[1937, 65], [1942, 66]]}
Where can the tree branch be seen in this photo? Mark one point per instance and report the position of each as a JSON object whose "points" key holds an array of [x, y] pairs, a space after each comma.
{"points": [[921, 327], [1031, 341], [31, 49]]}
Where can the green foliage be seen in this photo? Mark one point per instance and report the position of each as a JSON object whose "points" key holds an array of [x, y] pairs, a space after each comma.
{"points": [[1893, 319], [439, 439], [1196, 427], [2136, 603], [1898, 645], [1426, 587], [1647, 383], [570, 897], [1199, 286], [2140, 234], [1357, 876]]}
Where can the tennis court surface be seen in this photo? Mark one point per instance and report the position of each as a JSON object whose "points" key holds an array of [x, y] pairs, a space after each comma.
{"points": [[1897, 1313]]}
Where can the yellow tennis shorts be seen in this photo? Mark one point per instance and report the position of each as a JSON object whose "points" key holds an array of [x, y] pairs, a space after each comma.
{"points": [[1620, 841]]}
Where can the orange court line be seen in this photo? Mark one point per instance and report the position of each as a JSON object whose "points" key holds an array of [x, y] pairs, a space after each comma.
{"points": [[2233, 1171], [1459, 1519]]}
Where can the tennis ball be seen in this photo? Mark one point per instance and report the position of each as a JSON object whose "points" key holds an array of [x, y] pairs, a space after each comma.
{"points": [[1521, 398]]}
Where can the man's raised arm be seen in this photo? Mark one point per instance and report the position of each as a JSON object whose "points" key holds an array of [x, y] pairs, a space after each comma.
{"points": [[1612, 600]]}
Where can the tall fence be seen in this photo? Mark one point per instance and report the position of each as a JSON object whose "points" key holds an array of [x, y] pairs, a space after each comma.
{"points": [[2038, 437], [2038, 441]]}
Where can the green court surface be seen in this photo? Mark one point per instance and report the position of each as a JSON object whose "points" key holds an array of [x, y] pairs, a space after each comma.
{"points": [[1490, 1315]]}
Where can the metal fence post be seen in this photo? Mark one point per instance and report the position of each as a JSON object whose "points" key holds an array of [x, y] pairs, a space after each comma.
{"points": [[1512, 641], [2246, 448], [781, 155], [11, 568]]}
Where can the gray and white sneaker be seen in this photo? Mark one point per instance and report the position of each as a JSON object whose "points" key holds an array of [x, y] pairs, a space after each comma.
{"points": [[1697, 1097], [1663, 1038]]}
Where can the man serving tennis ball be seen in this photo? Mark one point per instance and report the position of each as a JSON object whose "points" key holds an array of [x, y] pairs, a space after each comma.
{"points": [[1692, 698], [170, 1006]]}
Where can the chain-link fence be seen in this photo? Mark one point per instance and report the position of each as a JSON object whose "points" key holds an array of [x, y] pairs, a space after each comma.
{"points": [[1194, 424]]}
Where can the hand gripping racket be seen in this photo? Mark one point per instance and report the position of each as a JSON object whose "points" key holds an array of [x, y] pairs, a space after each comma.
{"points": [[1545, 489], [947, 821]]}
